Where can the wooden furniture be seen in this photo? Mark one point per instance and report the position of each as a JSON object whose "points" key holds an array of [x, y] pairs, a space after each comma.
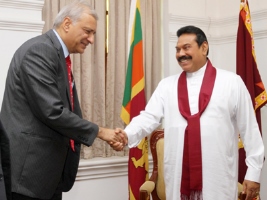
{"points": [[155, 185]]}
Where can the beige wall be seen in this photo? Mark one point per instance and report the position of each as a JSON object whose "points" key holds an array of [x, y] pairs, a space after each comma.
{"points": [[21, 20]]}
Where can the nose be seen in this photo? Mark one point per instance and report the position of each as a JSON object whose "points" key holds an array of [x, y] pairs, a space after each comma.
{"points": [[91, 38], [180, 53]]}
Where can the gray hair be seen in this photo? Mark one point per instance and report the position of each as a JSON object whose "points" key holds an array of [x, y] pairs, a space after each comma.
{"points": [[74, 10]]}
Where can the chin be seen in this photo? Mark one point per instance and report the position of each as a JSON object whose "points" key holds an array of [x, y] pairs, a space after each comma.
{"points": [[185, 68], [80, 51]]}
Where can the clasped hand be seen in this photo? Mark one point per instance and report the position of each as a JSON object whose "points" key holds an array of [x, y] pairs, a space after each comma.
{"points": [[117, 138]]}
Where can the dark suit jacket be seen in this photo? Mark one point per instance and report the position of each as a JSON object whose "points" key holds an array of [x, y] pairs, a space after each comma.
{"points": [[5, 180], [37, 118]]}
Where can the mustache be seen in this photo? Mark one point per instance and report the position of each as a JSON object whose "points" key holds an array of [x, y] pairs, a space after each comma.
{"points": [[180, 59]]}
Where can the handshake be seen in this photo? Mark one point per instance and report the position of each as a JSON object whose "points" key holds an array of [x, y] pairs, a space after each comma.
{"points": [[117, 138]]}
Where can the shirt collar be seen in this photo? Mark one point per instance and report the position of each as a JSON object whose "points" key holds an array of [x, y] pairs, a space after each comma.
{"points": [[199, 72], [65, 50]]}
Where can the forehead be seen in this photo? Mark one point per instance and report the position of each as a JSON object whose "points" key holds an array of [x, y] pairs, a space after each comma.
{"points": [[186, 38], [87, 21]]}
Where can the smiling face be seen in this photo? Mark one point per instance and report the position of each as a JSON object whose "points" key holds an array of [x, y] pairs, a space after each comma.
{"points": [[189, 55], [80, 34]]}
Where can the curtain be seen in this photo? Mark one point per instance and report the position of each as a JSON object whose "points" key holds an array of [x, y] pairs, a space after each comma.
{"points": [[100, 80], [151, 26], [118, 12]]}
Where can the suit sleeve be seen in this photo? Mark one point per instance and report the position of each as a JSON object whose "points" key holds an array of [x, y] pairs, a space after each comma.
{"points": [[40, 74], [5, 183]]}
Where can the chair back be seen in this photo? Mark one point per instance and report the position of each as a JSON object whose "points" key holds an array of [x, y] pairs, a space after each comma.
{"points": [[157, 151]]}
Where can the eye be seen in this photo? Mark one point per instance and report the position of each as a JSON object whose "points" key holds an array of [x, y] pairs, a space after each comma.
{"points": [[186, 47], [88, 31], [177, 50]]}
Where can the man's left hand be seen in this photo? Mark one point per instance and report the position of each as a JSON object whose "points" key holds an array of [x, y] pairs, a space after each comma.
{"points": [[251, 188]]}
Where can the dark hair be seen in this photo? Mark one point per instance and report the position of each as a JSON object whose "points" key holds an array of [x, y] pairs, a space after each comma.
{"points": [[200, 35]]}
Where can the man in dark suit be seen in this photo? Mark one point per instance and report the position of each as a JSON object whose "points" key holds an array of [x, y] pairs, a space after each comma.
{"points": [[41, 112], [5, 181]]}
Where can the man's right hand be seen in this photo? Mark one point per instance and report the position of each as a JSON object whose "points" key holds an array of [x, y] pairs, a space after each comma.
{"points": [[122, 134], [117, 138], [109, 135]]}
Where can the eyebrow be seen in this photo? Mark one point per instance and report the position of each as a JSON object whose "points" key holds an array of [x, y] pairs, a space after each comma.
{"points": [[89, 30], [176, 47]]}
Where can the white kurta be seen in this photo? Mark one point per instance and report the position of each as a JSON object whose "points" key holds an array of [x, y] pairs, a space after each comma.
{"points": [[228, 113]]}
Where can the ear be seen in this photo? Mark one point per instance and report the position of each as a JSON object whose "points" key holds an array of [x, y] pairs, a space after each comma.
{"points": [[205, 47], [66, 24]]}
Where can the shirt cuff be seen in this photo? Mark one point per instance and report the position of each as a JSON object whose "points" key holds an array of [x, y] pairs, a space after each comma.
{"points": [[132, 139], [253, 175]]}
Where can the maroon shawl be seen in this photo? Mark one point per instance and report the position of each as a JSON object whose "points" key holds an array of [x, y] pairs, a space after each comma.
{"points": [[191, 183]]}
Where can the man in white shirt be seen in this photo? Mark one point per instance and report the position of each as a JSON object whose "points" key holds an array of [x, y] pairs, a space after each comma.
{"points": [[204, 110]]}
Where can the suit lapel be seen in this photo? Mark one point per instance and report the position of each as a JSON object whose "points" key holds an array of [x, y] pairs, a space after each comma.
{"points": [[62, 63]]}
